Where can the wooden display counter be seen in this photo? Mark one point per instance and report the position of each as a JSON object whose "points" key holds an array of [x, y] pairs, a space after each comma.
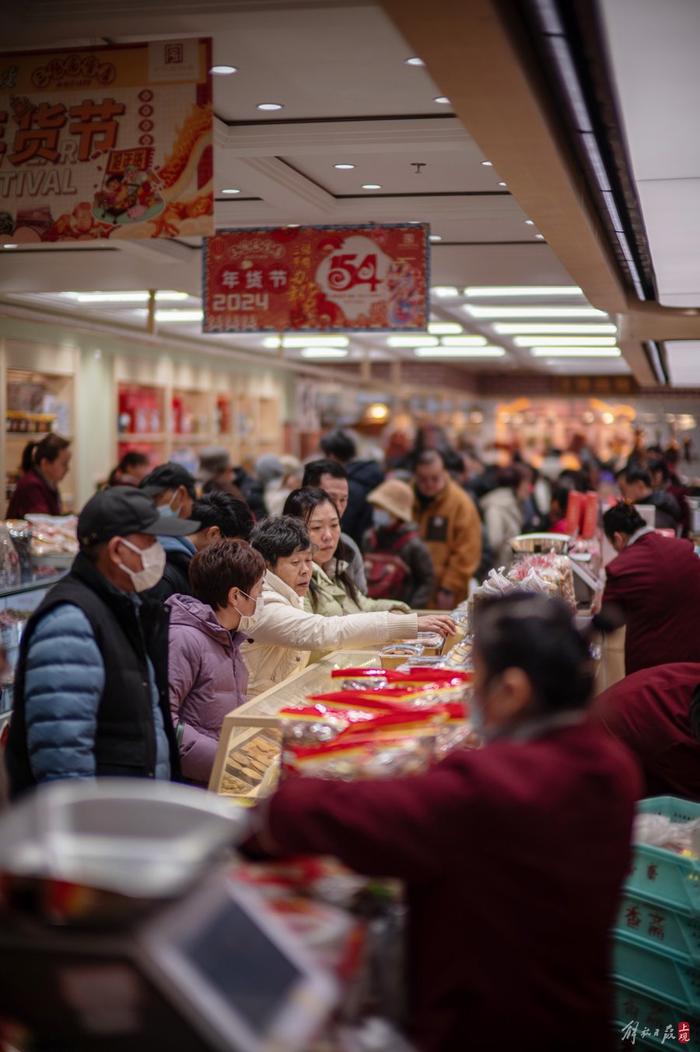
{"points": [[247, 762]]}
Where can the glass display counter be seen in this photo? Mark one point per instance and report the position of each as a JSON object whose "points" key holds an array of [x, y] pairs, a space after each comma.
{"points": [[247, 762], [16, 607]]}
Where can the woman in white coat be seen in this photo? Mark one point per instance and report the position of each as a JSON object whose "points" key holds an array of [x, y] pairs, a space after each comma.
{"points": [[284, 634]]}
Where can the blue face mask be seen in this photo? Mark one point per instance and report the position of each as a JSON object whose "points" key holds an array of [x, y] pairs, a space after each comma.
{"points": [[382, 519], [167, 511]]}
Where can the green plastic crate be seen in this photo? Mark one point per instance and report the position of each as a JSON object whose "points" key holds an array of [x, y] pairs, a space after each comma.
{"points": [[660, 927], [652, 1014], [661, 974], [662, 876]]}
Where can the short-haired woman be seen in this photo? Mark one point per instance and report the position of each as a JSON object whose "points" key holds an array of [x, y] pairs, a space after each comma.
{"points": [[332, 590], [207, 674], [526, 921], [44, 465], [286, 634]]}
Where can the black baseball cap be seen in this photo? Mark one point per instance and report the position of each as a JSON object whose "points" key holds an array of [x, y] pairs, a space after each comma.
{"points": [[168, 476], [121, 510]]}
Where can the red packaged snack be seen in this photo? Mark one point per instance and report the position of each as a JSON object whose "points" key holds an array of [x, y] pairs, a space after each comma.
{"points": [[590, 515], [574, 512]]}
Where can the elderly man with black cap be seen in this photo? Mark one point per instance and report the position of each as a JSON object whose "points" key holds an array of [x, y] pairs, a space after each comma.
{"points": [[91, 685]]}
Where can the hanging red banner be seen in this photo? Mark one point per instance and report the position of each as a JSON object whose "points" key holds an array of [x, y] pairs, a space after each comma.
{"points": [[317, 279], [106, 142]]}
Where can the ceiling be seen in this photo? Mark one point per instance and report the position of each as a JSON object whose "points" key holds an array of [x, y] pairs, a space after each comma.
{"points": [[348, 95], [653, 51]]}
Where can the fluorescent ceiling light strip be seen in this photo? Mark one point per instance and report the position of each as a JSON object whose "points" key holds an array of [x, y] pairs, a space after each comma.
{"points": [[178, 315], [459, 352], [315, 341], [564, 341], [575, 352], [514, 328], [463, 341], [324, 352], [412, 341], [534, 312], [503, 291], [444, 328], [444, 292], [126, 297]]}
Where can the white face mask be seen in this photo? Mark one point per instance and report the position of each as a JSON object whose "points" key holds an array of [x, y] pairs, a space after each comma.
{"points": [[382, 518], [249, 621], [153, 563]]}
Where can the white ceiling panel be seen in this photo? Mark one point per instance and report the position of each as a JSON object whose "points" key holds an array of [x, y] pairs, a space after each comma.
{"points": [[671, 210], [457, 171], [683, 358]]}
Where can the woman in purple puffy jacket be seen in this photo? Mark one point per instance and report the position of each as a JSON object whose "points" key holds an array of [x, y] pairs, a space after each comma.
{"points": [[207, 675]]}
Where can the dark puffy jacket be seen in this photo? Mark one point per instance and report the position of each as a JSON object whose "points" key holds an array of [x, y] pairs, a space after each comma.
{"points": [[420, 582], [363, 477]]}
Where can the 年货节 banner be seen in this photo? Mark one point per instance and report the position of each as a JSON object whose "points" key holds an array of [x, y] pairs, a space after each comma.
{"points": [[106, 142], [317, 279]]}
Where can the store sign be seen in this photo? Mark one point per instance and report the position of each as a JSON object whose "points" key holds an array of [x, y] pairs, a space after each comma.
{"points": [[106, 142], [317, 279]]}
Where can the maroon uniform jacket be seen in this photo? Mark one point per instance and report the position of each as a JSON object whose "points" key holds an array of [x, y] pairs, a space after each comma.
{"points": [[649, 712], [33, 496], [656, 583], [513, 857]]}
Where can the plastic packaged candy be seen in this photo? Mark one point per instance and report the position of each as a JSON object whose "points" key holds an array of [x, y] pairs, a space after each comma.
{"points": [[318, 722], [395, 654], [393, 753]]}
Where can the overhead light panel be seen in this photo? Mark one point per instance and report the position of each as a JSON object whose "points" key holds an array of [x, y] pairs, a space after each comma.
{"points": [[436, 237], [165, 296], [412, 341], [515, 328], [444, 328], [506, 291], [575, 352], [463, 341], [371, 186], [534, 312], [315, 341], [442, 100], [270, 106], [166, 316], [223, 71], [564, 341], [231, 190], [10, 246], [344, 167], [459, 352], [324, 352], [445, 292], [414, 61], [487, 164]]}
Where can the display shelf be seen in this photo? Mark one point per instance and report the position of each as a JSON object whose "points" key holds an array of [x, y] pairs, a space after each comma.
{"points": [[127, 436], [253, 727], [16, 607]]}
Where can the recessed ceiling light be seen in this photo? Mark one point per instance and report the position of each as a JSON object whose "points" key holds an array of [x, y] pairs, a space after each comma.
{"points": [[412, 341], [442, 100], [324, 352], [460, 352], [503, 291], [9, 246], [503, 184], [518, 328], [223, 71], [415, 61], [270, 106], [444, 328], [539, 237], [487, 164], [529, 222], [463, 341], [534, 312], [344, 167], [371, 186], [445, 291], [315, 341], [231, 190], [436, 237], [564, 341], [575, 352]]}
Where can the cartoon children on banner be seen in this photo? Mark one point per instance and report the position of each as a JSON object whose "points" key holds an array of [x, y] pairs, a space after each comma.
{"points": [[130, 193]]}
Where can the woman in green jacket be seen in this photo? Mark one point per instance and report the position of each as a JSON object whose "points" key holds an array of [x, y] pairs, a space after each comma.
{"points": [[332, 592]]}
